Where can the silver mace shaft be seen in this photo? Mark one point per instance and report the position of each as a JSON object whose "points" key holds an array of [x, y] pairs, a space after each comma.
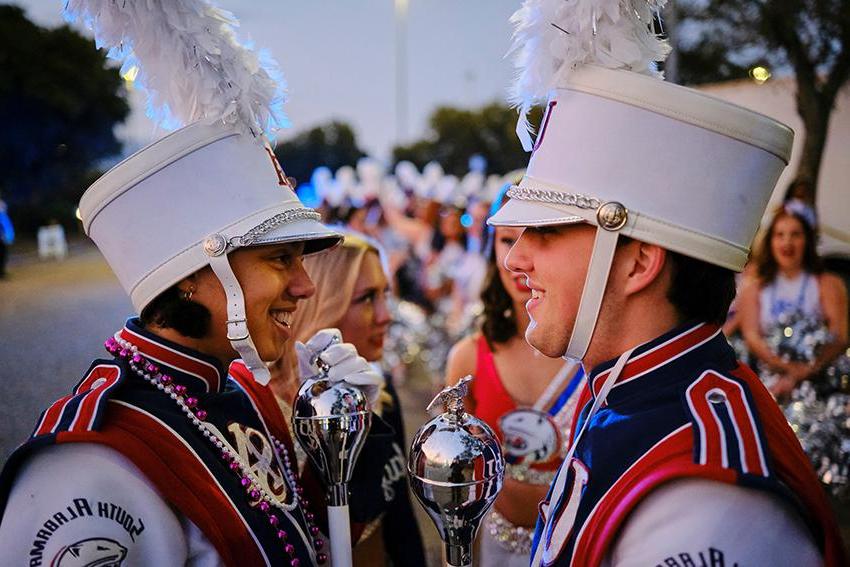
{"points": [[331, 421]]}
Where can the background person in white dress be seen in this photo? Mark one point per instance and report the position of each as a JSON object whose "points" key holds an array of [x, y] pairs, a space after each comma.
{"points": [[790, 285]]}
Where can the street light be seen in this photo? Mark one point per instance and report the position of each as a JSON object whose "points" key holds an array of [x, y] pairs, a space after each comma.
{"points": [[760, 74], [401, 70]]}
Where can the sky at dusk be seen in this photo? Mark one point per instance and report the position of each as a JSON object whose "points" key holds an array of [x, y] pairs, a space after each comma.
{"points": [[339, 60]]}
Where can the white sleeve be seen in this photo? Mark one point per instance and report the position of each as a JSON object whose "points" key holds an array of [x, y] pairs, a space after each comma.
{"points": [[689, 523], [87, 504]]}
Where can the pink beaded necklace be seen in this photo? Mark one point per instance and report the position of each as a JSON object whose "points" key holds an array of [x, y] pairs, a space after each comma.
{"points": [[258, 497]]}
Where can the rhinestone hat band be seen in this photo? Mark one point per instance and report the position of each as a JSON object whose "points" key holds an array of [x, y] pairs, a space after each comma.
{"points": [[610, 215], [554, 197], [216, 244], [291, 215]]}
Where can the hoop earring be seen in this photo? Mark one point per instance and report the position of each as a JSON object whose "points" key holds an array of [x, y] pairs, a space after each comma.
{"points": [[187, 294]]}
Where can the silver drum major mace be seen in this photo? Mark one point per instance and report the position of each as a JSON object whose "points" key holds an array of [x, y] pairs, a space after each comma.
{"points": [[331, 421], [456, 471]]}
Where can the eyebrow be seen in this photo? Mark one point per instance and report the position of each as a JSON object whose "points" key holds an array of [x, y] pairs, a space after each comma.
{"points": [[372, 288]]}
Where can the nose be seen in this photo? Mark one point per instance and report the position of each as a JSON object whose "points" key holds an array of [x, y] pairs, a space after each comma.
{"points": [[517, 259], [382, 310], [300, 285]]}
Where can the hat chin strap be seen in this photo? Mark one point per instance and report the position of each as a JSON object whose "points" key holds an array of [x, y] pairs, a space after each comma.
{"points": [[237, 324], [598, 269]]}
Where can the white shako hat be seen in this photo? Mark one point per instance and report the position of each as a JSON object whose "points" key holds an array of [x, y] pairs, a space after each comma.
{"points": [[187, 201], [209, 188], [639, 157]]}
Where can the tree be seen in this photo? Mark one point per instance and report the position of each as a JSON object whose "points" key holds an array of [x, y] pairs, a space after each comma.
{"points": [[332, 145], [457, 134], [59, 103], [809, 37]]}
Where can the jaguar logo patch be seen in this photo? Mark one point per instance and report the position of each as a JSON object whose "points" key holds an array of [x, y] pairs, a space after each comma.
{"points": [[92, 552]]}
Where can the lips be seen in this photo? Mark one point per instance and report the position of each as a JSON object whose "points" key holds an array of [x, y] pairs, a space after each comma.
{"points": [[521, 284], [537, 296], [283, 318]]}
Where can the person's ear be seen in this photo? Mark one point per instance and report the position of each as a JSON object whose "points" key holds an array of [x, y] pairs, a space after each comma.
{"points": [[188, 286], [645, 266]]}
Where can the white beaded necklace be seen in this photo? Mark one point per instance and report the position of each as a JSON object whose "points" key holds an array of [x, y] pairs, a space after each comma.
{"points": [[259, 496]]}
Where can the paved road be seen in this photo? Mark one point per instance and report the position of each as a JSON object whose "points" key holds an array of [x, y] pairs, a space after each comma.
{"points": [[54, 317]]}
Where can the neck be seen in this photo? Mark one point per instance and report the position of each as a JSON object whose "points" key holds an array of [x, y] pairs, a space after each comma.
{"points": [[284, 381], [791, 272], [630, 326]]}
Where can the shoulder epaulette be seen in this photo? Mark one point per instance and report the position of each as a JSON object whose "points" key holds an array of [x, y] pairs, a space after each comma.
{"points": [[727, 430], [82, 409]]}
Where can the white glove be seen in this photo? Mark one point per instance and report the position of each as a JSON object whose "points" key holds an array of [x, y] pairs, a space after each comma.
{"points": [[345, 365]]}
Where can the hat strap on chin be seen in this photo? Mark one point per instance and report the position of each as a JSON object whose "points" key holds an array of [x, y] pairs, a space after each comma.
{"points": [[598, 269], [237, 324]]}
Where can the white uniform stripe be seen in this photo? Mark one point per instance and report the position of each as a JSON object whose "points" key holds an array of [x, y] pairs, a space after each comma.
{"points": [[61, 414], [751, 425], [703, 452]]}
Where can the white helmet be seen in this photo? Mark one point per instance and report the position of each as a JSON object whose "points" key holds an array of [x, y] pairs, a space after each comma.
{"points": [[185, 202], [209, 188], [639, 157]]}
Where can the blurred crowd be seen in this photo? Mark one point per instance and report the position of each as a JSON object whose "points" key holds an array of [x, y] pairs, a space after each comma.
{"points": [[789, 321]]}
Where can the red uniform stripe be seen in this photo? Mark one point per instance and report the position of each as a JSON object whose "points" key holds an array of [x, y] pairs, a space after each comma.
{"points": [[752, 454], [52, 416], [583, 398], [170, 357], [661, 354], [87, 409]]}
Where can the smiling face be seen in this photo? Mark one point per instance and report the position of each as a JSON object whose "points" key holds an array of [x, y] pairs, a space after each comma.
{"points": [[554, 260], [513, 282], [788, 243], [367, 318], [273, 280]]}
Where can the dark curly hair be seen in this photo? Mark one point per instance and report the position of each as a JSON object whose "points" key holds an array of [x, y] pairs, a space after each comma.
{"points": [[170, 310], [498, 320]]}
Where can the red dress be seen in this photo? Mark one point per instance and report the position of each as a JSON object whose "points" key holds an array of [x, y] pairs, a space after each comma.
{"points": [[492, 401]]}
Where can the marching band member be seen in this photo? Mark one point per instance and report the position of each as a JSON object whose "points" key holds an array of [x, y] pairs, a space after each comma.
{"points": [[352, 293], [640, 202], [157, 456]]}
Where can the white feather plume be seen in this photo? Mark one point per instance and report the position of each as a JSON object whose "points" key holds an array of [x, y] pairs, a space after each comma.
{"points": [[189, 62], [553, 37]]}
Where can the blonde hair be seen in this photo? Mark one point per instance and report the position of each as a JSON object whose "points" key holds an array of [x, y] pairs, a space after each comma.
{"points": [[334, 274]]}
